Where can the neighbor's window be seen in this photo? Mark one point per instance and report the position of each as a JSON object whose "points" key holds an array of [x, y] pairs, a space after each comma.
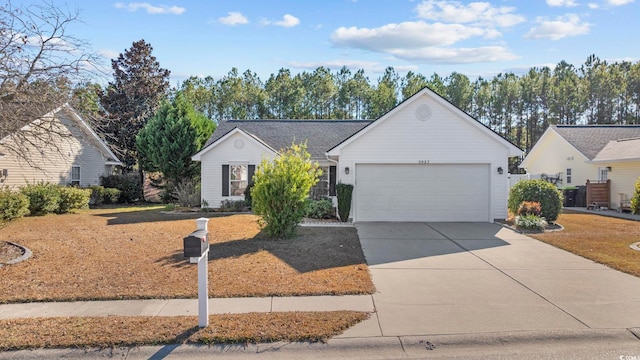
{"points": [[75, 175], [321, 189], [568, 176], [238, 179], [603, 174]]}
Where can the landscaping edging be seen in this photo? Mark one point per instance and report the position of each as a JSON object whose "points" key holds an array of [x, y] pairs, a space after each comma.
{"points": [[527, 232], [26, 253]]}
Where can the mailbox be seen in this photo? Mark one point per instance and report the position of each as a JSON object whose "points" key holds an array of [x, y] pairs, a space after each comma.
{"points": [[196, 244]]}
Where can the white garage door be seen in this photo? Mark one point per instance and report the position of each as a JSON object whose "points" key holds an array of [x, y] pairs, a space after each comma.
{"points": [[433, 192]]}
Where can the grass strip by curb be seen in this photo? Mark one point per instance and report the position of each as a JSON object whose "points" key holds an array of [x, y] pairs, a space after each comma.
{"points": [[112, 331]]}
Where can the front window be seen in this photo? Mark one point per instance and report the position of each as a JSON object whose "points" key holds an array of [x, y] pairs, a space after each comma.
{"points": [[238, 179], [75, 175], [321, 189], [568, 176]]}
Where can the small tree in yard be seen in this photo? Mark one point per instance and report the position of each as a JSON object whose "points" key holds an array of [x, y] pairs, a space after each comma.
{"points": [[635, 200], [280, 188]]}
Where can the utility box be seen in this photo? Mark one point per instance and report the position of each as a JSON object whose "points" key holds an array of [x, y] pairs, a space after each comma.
{"points": [[196, 244]]}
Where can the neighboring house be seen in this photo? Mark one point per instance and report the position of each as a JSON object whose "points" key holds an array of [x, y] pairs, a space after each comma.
{"points": [[425, 160], [576, 153], [66, 151]]}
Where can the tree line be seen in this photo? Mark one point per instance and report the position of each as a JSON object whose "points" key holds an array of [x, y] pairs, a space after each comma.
{"points": [[518, 107]]}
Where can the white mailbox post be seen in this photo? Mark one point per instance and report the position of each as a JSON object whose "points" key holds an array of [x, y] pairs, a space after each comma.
{"points": [[196, 247]]}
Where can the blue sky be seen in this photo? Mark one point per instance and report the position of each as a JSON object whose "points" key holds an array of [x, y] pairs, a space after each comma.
{"points": [[483, 38]]}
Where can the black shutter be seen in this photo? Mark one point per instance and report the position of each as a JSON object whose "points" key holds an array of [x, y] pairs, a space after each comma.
{"points": [[332, 180], [252, 170], [225, 180]]}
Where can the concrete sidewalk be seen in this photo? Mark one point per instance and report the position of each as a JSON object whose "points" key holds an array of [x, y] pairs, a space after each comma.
{"points": [[185, 307]]}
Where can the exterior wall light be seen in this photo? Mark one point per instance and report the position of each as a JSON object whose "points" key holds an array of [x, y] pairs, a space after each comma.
{"points": [[500, 171], [346, 170]]}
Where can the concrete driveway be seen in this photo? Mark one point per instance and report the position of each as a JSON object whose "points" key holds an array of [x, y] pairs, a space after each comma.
{"points": [[460, 278]]}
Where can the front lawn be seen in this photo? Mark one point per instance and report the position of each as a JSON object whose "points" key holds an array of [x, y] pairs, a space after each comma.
{"points": [[602, 239], [134, 253]]}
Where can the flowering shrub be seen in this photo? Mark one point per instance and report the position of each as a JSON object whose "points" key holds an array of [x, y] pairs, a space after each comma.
{"points": [[530, 222], [529, 208]]}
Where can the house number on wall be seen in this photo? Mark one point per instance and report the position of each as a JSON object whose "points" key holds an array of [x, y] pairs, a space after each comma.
{"points": [[423, 162]]}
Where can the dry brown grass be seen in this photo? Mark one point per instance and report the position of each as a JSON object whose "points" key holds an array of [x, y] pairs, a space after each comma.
{"points": [[602, 239], [135, 331], [136, 253]]}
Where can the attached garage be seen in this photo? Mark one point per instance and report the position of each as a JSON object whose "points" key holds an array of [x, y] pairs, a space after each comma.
{"points": [[422, 192]]}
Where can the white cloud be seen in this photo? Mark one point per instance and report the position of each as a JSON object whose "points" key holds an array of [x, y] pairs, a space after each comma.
{"points": [[619, 2], [416, 34], [287, 21], [593, 6], [233, 18], [354, 65], [566, 3], [561, 27], [474, 13], [151, 9], [438, 55], [108, 53]]}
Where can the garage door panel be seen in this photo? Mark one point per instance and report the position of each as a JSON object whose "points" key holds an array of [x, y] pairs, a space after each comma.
{"points": [[433, 192]]}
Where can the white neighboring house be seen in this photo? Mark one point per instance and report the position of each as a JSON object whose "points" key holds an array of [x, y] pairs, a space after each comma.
{"points": [[425, 160], [577, 153], [72, 154]]}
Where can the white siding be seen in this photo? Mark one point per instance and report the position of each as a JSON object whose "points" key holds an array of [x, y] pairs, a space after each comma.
{"points": [[623, 177], [552, 154], [446, 138], [226, 152], [51, 160]]}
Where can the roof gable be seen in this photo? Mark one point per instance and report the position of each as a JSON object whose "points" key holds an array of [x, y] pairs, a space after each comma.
{"points": [[91, 135], [620, 151], [320, 135], [513, 149], [591, 139]]}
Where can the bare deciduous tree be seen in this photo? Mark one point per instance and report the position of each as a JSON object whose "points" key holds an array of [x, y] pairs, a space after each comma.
{"points": [[40, 63]]}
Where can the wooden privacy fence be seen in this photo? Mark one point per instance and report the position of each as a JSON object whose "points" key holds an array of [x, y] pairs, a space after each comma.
{"points": [[598, 194]]}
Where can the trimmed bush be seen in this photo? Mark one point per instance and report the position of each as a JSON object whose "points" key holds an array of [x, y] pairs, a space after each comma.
{"points": [[247, 194], [343, 192], [540, 191], [13, 205], [635, 199], [280, 189], [44, 198], [318, 209], [102, 195], [128, 184], [72, 198]]}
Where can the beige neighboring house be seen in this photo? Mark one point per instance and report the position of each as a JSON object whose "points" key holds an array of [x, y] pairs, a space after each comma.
{"points": [[574, 154], [66, 151]]}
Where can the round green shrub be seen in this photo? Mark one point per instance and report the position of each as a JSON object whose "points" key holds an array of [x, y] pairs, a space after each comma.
{"points": [[13, 205], [549, 197], [72, 198], [44, 198]]}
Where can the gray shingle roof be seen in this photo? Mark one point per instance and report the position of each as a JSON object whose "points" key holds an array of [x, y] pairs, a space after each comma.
{"points": [[591, 139], [620, 150], [321, 135]]}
